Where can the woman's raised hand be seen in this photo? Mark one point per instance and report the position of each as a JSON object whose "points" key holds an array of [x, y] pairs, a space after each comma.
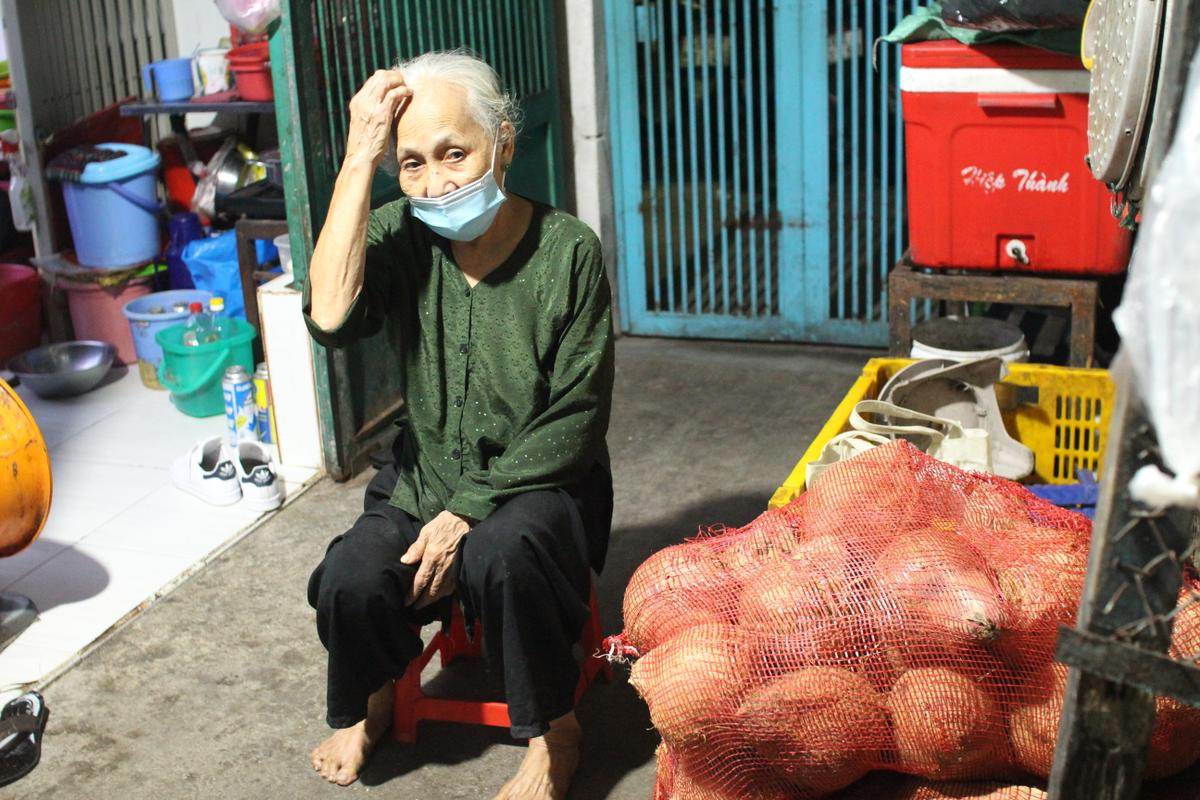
{"points": [[373, 113]]}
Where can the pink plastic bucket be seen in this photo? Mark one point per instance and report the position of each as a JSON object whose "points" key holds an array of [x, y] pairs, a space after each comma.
{"points": [[96, 312]]}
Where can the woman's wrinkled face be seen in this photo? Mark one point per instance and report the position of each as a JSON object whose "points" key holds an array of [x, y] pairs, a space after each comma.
{"points": [[439, 145]]}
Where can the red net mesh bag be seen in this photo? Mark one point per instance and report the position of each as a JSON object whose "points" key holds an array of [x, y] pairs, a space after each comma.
{"points": [[882, 786], [900, 615]]}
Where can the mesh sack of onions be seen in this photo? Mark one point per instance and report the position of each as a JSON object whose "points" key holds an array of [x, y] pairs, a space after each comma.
{"points": [[900, 615]]}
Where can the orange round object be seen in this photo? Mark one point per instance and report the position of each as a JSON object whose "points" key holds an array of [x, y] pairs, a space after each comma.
{"points": [[24, 475]]}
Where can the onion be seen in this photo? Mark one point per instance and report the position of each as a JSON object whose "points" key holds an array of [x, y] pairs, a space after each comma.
{"points": [[1175, 739], [849, 642], [822, 728], [1174, 745], [785, 597], [725, 765], [943, 579], [889, 786], [995, 506], [686, 788], [1174, 742], [824, 551], [872, 492], [1033, 727], [673, 590], [1185, 635], [946, 725], [977, 791], [770, 537], [691, 682], [1041, 594], [664, 772]]}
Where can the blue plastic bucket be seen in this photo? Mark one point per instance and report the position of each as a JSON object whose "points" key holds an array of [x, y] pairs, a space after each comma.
{"points": [[170, 79], [147, 316], [193, 374], [113, 210]]}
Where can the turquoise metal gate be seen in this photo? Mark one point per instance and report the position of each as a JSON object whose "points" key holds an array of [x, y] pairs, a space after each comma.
{"points": [[758, 167]]}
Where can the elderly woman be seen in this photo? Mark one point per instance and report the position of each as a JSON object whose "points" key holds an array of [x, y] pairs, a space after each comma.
{"points": [[500, 493]]}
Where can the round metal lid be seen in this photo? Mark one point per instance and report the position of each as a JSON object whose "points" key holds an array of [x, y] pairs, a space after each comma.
{"points": [[1122, 40], [1161, 114], [967, 334]]}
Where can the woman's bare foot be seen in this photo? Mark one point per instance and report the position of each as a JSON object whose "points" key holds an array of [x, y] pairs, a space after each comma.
{"points": [[341, 757], [549, 764]]}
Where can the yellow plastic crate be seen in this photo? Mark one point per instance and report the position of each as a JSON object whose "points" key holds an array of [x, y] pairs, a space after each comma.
{"points": [[1066, 428]]}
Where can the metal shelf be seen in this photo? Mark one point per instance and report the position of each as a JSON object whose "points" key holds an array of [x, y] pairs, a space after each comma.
{"points": [[188, 107]]}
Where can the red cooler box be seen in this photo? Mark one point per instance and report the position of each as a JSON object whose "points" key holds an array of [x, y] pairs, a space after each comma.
{"points": [[996, 138]]}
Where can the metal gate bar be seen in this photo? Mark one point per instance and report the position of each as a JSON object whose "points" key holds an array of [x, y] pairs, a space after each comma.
{"points": [[759, 175], [357, 37], [867, 167], [695, 195]]}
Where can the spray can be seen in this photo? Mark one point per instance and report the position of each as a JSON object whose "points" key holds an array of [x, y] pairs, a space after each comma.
{"points": [[239, 405], [264, 404]]}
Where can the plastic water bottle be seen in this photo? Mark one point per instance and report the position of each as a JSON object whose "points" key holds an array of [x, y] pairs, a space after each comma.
{"points": [[218, 322], [192, 328]]}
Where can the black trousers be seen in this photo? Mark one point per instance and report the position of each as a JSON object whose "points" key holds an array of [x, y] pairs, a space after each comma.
{"points": [[522, 575]]}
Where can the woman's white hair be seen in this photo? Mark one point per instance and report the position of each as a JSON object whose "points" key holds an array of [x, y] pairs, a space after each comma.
{"points": [[487, 103]]}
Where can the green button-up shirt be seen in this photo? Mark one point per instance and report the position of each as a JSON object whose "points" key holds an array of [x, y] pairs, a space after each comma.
{"points": [[507, 386]]}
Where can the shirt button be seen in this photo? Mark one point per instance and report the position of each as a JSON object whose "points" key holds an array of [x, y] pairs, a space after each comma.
{"points": [[456, 454], [462, 348], [458, 401], [466, 292]]}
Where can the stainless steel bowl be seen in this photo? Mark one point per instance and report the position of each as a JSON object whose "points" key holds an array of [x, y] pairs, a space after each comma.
{"points": [[64, 369]]}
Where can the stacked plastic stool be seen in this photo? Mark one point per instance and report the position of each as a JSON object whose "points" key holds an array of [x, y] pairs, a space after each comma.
{"points": [[412, 705]]}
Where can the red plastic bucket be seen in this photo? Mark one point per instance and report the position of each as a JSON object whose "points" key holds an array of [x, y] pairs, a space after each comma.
{"points": [[252, 71], [97, 312], [20, 310], [254, 83]]}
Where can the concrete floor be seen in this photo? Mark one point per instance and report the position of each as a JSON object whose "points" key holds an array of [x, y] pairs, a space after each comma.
{"points": [[217, 690]]}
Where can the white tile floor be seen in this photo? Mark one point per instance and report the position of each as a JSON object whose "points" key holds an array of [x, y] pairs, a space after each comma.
{"points": [[119, 533]]}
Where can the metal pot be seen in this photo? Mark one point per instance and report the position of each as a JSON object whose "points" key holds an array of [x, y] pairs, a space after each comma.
{"points": [[228, 170], [65, 369], [233, 167]]}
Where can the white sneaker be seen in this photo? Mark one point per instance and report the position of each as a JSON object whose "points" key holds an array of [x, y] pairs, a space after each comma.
{"points": [[255, 466], [207, 471]]}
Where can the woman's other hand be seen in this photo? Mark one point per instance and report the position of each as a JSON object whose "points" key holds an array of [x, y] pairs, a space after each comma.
{"points": [[435, 550], [373, 114]]}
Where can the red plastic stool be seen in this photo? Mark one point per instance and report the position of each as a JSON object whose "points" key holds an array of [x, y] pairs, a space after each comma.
{"points": [[413, 705]]}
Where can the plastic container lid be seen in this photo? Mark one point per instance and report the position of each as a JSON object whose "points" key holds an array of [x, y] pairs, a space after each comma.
{"points": [[136, 161], [966, 339], [955, 55]]}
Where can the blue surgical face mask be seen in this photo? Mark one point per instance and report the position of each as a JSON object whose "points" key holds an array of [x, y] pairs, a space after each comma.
{"points": [[466, 213]]}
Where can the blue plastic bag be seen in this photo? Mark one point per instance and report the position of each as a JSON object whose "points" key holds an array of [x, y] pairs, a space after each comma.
{"points": [[214, 267]]}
